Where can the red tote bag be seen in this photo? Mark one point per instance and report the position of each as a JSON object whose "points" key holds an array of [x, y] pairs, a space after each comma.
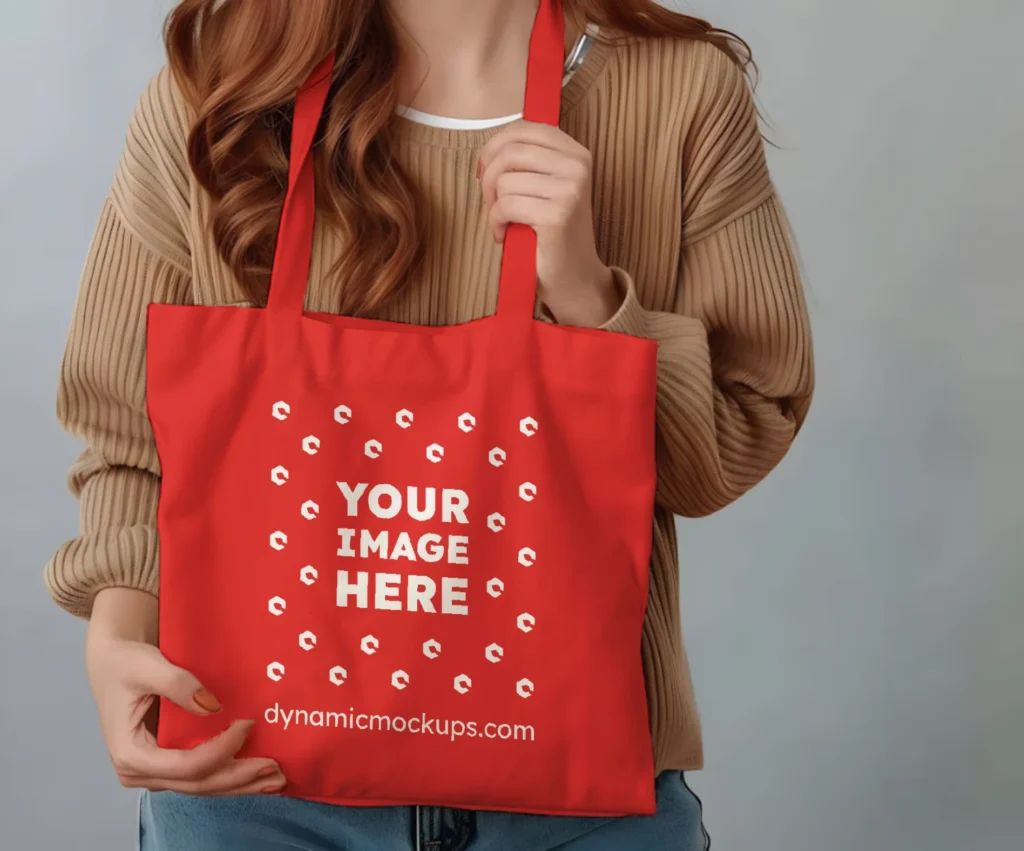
{"points": [[416, 556]]}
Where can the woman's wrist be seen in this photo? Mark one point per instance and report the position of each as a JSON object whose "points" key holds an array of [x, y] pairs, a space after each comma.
{"points": [[124, 614], [595, 300]]}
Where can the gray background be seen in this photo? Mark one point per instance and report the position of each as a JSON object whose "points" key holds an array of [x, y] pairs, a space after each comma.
{"points": [[855, 624]]}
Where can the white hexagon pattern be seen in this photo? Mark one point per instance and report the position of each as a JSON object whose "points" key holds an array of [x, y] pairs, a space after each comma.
{"points": [[528, 426], [496, 522]]}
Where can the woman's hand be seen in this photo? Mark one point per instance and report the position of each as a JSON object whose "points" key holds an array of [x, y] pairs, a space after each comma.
{"points": [[534, 174], [127, 673]]}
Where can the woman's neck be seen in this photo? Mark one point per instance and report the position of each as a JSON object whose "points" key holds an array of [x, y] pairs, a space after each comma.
{"points": [[463, 58]]}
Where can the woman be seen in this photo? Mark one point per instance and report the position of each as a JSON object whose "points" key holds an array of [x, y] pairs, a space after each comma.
{"points": [[655, 217]]}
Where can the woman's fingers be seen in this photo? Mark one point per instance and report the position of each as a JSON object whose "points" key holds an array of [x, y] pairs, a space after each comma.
{"points": [[529, 133], [140, 757], [267, 786], [531, 185], [148, 671], [543, 214], [518, 170], [239, 777], [517, 157], [516, 208], [128, 677]]}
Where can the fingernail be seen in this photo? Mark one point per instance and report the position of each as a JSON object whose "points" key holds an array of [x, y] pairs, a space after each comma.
{"points": [[270, 788], [206, 701], [266, 772]]}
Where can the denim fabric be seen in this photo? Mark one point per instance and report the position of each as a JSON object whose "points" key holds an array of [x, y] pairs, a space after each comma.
{"points": [[173, 822]]}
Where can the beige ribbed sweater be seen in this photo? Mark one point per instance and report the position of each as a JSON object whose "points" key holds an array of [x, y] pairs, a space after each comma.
{"points": [[684, 212]]}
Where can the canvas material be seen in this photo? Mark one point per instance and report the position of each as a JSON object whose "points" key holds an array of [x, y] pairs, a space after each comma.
{"points": [[417, 557]]}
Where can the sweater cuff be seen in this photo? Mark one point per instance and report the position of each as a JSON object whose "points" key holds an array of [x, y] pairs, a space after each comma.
{"points": [[118, 545], [630, 318]]}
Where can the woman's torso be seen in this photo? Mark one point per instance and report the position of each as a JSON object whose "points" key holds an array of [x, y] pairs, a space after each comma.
{"points": [[641, 109], [620, 104]]}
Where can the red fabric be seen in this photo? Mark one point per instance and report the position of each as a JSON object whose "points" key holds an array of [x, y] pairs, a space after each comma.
{"points": [[490, 658]]}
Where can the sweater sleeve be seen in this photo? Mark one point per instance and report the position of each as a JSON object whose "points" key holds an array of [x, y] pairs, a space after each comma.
{"points": [[138, 255], [735, 370]]}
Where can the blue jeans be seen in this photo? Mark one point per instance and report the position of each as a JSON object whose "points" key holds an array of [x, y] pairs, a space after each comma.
{"points": [[173, 822]]}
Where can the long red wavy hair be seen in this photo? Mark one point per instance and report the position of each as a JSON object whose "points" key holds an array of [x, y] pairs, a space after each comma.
{"points": [[238, 63]]}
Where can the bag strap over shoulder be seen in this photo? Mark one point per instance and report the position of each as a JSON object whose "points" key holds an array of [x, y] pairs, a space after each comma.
{"points": [[518, 287]]}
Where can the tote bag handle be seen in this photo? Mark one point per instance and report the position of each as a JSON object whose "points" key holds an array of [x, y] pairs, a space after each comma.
{"points": [[517, 291]]}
